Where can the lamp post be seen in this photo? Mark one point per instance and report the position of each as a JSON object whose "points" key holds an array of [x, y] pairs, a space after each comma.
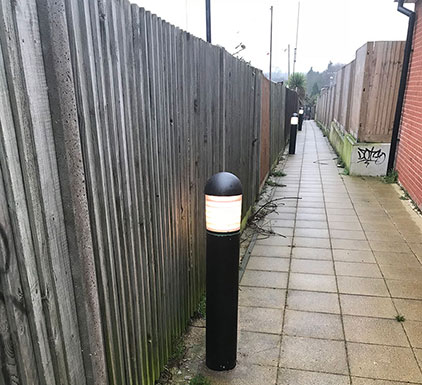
{"points": [[300, 118], [208, 19], [223, 209], [294, 121]]}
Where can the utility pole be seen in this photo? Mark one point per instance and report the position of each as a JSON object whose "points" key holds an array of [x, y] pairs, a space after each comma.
{"points": [[297, 34], [288, 64], [271, 41], [208, 19], [271, 83]]}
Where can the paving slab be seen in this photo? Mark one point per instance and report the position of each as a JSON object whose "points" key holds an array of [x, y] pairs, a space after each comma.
{"points": [[300, 377], [367, 306], [270, 279], [258, 348], [262, 297], [354, 256], [311, 253], [310, 324], [311, 266], [356, 269], [363, 286], [313, 301], [261, 320], [374, 331], [383, 362], [411, 308], [312, 282], [414, 332], [268, 264], [313, 354]]}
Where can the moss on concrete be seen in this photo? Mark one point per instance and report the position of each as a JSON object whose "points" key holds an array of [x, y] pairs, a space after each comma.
{"points": [[343, 144]]}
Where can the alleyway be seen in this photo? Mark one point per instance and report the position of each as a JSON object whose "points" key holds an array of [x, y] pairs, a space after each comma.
{"points": [[352, 269]]}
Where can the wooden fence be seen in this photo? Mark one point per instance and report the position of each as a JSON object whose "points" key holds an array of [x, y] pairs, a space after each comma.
{"points": [[363, 94], [111, 121]]}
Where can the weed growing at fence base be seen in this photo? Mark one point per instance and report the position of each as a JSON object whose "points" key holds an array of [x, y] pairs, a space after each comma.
{"points": [[179, 350], [199, 379], [201, 311], [277, 173], [274, 184], [392, 177], [406, 197]]}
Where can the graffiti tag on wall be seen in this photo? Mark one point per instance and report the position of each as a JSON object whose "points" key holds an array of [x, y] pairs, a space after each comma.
{"points": [[370, 155]]}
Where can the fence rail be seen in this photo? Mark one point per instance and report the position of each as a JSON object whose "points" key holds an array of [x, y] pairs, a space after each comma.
{"points": [[111, 121]]}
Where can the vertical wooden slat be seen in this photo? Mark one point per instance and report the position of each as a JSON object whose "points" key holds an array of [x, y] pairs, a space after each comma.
{"points": [[147, 57], [141, 101]]}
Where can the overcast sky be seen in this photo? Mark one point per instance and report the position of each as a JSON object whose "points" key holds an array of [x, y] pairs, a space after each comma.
{"points": [[328, 29]]}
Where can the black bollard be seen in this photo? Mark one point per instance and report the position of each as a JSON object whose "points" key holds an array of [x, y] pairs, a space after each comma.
{"points": [[293, 132], [223, 206], [300, 118]]}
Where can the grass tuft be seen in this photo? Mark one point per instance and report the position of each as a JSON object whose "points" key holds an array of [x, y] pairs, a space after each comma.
{"points": [[391, 177], [400, 318], [199, 379], [277, 173], [179, 351], [201, 311]]}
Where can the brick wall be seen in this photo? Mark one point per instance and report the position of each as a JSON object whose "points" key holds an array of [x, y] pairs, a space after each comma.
{"points": [[409, 157]]}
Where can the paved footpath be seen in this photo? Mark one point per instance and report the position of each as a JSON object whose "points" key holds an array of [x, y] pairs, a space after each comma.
{"points": [[319, 307]]}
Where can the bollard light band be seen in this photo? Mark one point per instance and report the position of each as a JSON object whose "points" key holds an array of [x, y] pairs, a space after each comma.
{"points": [[223, 213], [294, 121], [301, 111]]}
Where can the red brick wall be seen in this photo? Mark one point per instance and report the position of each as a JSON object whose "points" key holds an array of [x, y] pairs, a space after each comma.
{"points": [[409, 156]]}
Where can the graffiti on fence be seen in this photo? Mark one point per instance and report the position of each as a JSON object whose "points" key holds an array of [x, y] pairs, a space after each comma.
{"points": [[370, 155]]}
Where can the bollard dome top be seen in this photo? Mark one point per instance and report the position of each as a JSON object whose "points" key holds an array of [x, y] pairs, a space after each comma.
{"points": [[223, 184], [295, 114]]}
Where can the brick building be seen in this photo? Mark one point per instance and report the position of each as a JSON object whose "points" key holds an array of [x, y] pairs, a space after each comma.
{"points": [[409, 155]]}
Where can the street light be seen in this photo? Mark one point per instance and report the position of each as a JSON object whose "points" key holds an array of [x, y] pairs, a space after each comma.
{"points": [[300, 118], [294, 121], [223, 210]]}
